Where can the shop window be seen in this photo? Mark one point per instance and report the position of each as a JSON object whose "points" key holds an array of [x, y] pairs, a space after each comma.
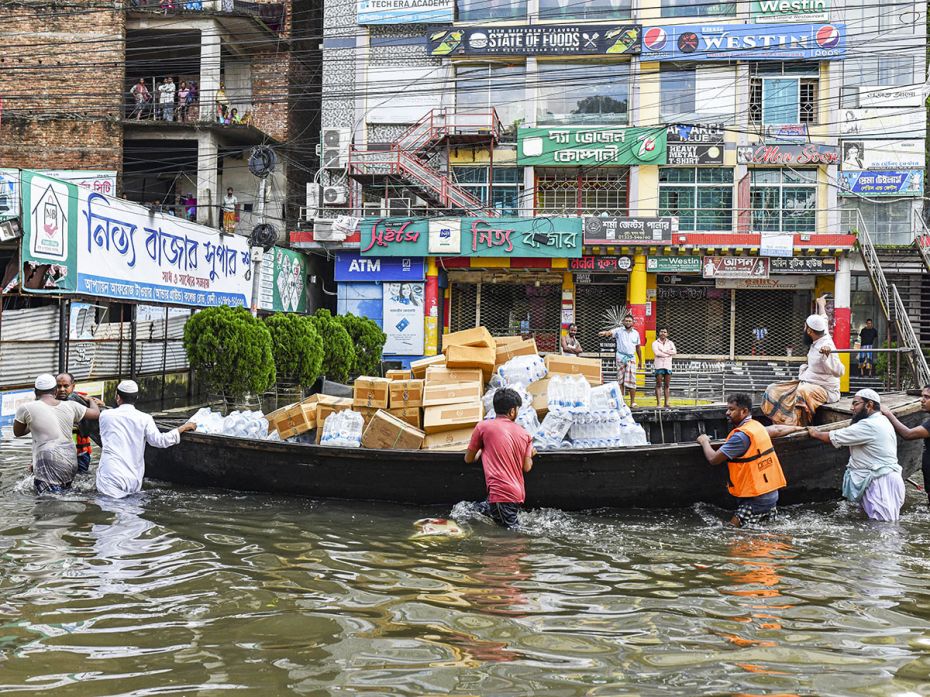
{"points": [[476, 10], [689, 94], [689, 8], [702, 198], [781, 100], [885, 71], [508, 186], [580, 93], [585, 9], [598, 191], [784, 200], [886, 223], [480, 87]]}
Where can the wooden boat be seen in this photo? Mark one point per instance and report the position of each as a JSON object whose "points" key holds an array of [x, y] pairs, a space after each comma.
{"points": [[673, 472]]}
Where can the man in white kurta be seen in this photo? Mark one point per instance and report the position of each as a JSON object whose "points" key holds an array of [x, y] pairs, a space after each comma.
{"points": [[124, 432]]}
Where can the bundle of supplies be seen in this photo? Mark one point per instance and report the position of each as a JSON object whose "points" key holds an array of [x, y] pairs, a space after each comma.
{"points": [[343, 429]]}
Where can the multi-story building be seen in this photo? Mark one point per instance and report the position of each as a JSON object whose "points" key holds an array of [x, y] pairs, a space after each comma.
{"points": [[716, 162]]}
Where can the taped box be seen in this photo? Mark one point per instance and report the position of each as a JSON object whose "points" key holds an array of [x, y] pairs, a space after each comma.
{"points": [[412, 415], [406, 393], [398, 374], [472, 357], [442, 375], [418, 368], [479, 336], [572, 365], [386, 432], [456, 393], [450, 440], [521, 348], [293, 420], [371, 393], [504, 340], [452, 417]]}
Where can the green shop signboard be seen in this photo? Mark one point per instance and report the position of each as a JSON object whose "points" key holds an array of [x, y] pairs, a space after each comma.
{"points": [[673, 264], [284, 281], [576, 145], [558, 238], [50, 229], [394, 237], [791, 10]]}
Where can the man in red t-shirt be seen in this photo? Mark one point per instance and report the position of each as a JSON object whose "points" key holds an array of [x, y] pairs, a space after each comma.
{"points": [[506, 451]]}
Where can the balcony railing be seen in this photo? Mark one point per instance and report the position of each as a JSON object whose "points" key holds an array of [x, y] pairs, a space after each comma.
{"points": [[271, 14]]}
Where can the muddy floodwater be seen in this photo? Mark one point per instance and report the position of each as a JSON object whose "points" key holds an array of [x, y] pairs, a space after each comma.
{"points": [[204, 592]]}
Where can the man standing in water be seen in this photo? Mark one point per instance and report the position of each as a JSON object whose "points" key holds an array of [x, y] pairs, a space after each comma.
{"points": [[922, 431], [123, 434], [50, 421], [873, 475], [506, 452], [755, 474], [66, 393]]}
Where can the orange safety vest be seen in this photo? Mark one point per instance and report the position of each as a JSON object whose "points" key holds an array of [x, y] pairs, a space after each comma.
{"points": [[758, 471]]}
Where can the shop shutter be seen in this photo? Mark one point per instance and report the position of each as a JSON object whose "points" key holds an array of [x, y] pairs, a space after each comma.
{"points": [[463, 306], [781, 313], [508, 309], [592, 302], [697, 318]]}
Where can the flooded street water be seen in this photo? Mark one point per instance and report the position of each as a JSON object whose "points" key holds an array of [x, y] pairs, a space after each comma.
{"points": [[192, 592]]}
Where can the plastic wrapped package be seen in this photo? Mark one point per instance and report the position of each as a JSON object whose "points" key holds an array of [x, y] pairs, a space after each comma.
{"points": [[527, 418], [606, 396], [552, 430], [570, 393], [488, 398], [522, 369], [343, 429]]}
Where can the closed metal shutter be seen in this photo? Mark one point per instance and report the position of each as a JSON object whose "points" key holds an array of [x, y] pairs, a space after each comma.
{"points": [[591, 304], [463, 311], [771, 322], [697, 317]]}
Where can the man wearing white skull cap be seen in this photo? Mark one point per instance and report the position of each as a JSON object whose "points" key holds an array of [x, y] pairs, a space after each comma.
{"points": [[124, 432], [873, 475], [794, 402]]}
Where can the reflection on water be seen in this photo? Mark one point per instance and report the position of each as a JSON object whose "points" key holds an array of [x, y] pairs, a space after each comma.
{"points": [[188, 592]]}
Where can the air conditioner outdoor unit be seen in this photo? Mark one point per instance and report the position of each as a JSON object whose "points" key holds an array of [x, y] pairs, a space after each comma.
{"points": [[323, 231], [335, 147], [335, 195], [395, 207], [314, 197]]}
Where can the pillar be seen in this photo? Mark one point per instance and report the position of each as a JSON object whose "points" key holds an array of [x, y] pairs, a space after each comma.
{"points": [[652, 284], [637, 296], [568, 305], [842, 315], [431, 311], [208, 194], [210, 63]]}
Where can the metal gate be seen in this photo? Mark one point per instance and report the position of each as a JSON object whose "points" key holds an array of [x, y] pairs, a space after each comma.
{"points": [[591, 303], [697, 318], [771, 322]]}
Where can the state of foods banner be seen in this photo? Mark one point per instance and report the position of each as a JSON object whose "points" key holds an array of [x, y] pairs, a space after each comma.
{"points": [[535, 40]]}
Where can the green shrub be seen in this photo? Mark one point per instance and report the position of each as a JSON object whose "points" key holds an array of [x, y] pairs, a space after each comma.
{"points": [[338, 350], [297, 348], [368, 340], [230, 351]]}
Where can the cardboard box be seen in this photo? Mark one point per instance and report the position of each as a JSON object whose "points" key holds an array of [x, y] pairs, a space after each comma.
{"points": [[539, 391], [504, 340], [406, 393], [479, 336], [456, 393], [366, 412], [372, 393], [441, 375], [327, 405], [412, 415], [450, 440], [572, 365], [522, 348], [452, 417], [472, 357], [399, 375], [418, 368], [275, 416], [387, 432], [293, 420]]}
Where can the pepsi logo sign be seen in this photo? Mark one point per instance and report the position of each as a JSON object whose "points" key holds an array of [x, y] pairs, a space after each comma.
{"points": [[828, 36], [655, 39]]}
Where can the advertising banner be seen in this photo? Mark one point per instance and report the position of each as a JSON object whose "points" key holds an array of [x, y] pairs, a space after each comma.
{"points": [[394, 237], [711, 133], [777, 244], [405, 11], [402, 319], [283, 286], [880, 122], [756, 42], [890, 96], [685, 154], [107, 247], [673, 264], [781, 155], [882, 154], [351, 267], [558, 238], [790, 10], [786, 133], [907, 183], [802, 265], [601, 264], [736, 267], [101, 181], [535, 40], [577, 145], [614, 230], [776, 283]]}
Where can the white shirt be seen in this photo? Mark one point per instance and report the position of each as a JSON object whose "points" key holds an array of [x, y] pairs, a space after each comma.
{"points": [[872, 443], [825, 371], [627, 341], [166, 92], [124, 431], [229, 203], [49, 425]]}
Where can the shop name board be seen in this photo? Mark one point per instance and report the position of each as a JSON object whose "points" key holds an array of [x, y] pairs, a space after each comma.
{"points": [[613, 230], [802, 265], [394, 237], [405, 11], [890, 96], [908, 183], [790, 10], [351, 266], [776, 283], [810, 154], [684, 154], [786, 132], [673, 264], [573, 146], [606, 263], [535, 40], [696, 133], [756, 42], [882, 154], [735, 267]]}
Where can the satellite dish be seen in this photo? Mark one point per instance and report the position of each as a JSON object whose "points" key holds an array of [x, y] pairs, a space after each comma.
{"points": [[263, 236], [262, 161]]}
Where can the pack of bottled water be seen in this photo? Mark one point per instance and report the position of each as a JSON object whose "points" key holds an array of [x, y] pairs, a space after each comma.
{"points": [[595, 425], [527, 418], [343, 429], [552, 430], [606, 396], [569, 393], [488, 398], [241, 424], [524, 370]]}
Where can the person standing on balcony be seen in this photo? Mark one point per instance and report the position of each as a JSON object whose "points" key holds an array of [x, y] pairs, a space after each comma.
{"points": [[141, 96], [184, 94], [166, 91], [230, 211], [868, 338]]}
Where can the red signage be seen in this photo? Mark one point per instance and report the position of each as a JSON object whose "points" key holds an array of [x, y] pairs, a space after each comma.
{"points": [[810, 154], [591, 263], [736, 267]]}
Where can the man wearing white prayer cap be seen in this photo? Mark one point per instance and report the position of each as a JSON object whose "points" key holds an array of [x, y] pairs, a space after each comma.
{"points": [[50, 421], [124, 432], [873, 475], [794, 402]]}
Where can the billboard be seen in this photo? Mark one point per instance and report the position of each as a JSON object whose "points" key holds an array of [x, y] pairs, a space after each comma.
{"points": [[882, 183], [579, 145], [614, 230], [405, 11], [756, 42], [882, 154], [535, 40]]}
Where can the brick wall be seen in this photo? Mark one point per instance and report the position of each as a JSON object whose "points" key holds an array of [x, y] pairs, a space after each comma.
{"points": [[60, 144]]}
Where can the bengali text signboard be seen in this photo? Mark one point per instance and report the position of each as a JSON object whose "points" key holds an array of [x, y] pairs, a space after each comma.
{"points": [[535, 40], [558, 238], [736, 267], [577, 145], [883, 183], [795, 265], [614, 230], [601, 264]]}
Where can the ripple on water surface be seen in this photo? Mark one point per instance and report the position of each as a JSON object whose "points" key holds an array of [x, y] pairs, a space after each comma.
{"points": [[188, 592]]}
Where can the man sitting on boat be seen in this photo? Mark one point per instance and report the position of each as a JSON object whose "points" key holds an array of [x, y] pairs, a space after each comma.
{"points": [[793, 403], [873, 475], [506, 451], [755, 474]]}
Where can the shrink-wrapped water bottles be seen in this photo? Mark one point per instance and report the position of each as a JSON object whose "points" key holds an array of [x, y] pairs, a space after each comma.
{"points": [[522, 369], [343, 429], [570, 393]]}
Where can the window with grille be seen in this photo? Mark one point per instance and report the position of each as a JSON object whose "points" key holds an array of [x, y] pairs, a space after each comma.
{"points": [[508, 186], [771, 322], [701, 197], [784, 200], [602, 190], [783, 100]]}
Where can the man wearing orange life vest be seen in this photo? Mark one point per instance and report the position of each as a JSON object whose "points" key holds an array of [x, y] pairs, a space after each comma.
{"points": [[755, 474]]}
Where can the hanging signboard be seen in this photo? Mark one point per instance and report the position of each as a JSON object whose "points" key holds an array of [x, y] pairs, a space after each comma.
{"points": [[577, 145], [777, 244], [405, 11], [351, 267], [885, 183], [882, 154], [106, 247], [673, 264], [684, 154], [781, 155], [776, 283], [613, 230], [394, 237], [756, 42], [535, 40], [712, 133], [284, 281], [736, 267], [601, 264], [790, 10], [558, 238], [781, 265], [890, 96], [402, 319]]}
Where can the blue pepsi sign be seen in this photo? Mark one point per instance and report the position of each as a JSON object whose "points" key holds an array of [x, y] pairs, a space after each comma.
{"points": [[353, 267], [755, 42]]}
